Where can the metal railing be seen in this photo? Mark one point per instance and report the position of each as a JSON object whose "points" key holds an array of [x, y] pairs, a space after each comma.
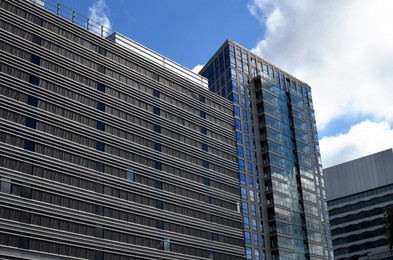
{"points": [[107, 33]]}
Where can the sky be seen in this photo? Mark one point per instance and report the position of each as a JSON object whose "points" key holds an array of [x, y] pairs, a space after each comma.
{"points": [[342, 49]]}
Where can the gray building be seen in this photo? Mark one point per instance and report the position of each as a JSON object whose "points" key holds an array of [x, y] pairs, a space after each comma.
{"points": [[108, 150], [359, 192], [280, 173]]}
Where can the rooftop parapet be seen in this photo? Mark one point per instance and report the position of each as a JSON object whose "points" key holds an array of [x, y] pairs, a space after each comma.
{"points": [[121, 40]]}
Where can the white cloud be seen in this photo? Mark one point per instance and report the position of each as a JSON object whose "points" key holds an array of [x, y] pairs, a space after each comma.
{"points": [[99, 17], [198, 68], [343, 49], [362, 139]]}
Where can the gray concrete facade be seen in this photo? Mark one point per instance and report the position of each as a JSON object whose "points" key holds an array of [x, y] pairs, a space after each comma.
{"points": [[359, 192]]}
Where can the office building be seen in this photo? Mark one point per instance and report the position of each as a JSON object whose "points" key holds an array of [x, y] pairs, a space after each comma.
{"points": [[359, 192], [108, 150], [282, 190]]}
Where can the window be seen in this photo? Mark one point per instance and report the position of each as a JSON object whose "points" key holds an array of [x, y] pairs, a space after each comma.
{"points": [[156, 93], [206, 181], [29, 145], [254, 224], [101, 87], [240, 151], [157, 147], [242, 178], [253, 210], [236, 111], [202, 114], [239, 138], [246, 222], [32, 101], [100, 126], [33, 80], [157, 128], [101, 106], [203, 130], [100, 146], [158, 165], [31, 122], [158, 184], [243, 192], [205, 164], [156, 111], [204, 147], [255, 238], [238, 125], [35, 59], [250, 182], [130, 175], [240, 163], [248, 154], [244, 208], [247, 237]]}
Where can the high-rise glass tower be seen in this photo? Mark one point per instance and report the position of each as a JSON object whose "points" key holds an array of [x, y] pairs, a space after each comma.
{"points": [[283, 200]]}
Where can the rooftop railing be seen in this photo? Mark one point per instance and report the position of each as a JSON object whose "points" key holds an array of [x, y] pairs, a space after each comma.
{"points": [[107, 33]]}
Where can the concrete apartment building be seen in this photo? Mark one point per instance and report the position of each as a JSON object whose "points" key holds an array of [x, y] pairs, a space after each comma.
{"points": [[359, 192], [109, 150]]}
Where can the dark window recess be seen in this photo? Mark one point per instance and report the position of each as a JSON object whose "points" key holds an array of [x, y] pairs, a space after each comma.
{"points": [[206, 181], [25, 217], [156, 76], [99, 255], [159, 224], [157, 128], [36, 39], [208, 217], [156, 93], [99, 209], [35, 59], [158, 184], [210, 254], [209, 235], [101, 69], [101, 87], [25, 192], [100, 146], [99, 232], [29, 145], [27, 168], [130, 175], [202, 98], [208, 199], [38, 20], [99, 187], [100, 166], [34, 80], [32, 101], [203, 130], [157, 111], [31, 122], [100, 126], [160, 244], [158, 165], [101, 106], [157, 147], [23, 242], [204, 147], [205, 164], [101, 50], [159, 204], [202, 114]]}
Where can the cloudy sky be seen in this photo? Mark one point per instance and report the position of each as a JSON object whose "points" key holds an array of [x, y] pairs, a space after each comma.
{"points": [[343, 49]]}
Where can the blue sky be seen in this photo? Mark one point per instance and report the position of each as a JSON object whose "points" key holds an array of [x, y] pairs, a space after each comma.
{"points": [[343, 49]]}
